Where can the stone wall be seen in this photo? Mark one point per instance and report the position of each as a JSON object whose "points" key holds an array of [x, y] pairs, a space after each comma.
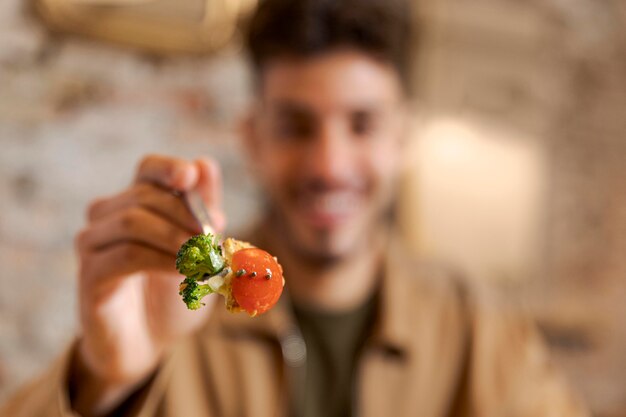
{"points": [[554, 72], [75, 117]]}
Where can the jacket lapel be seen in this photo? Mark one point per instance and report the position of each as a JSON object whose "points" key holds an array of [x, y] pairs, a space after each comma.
{"points": [[412, 365]]}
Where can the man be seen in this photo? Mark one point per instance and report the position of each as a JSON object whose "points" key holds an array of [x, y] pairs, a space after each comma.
{"points": [[362, 328]]}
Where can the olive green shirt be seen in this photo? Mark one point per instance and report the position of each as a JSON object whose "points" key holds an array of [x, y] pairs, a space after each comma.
{"points": [[333, 344]]}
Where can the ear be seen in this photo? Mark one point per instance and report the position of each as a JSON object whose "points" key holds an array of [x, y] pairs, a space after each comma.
{"points": [[248, 132]]}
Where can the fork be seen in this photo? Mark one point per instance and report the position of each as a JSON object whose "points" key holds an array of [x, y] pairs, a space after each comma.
{"points": [[200, 211]]}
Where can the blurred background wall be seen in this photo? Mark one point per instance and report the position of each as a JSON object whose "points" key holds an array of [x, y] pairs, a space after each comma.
{"points": [[520, 168], [75, 117], [517, 173]]}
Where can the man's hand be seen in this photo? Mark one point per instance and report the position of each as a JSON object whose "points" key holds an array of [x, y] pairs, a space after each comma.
{"points": [[130, 309]]}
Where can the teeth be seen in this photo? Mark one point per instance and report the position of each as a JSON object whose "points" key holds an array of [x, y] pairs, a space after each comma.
{"points": [[334, 203]]}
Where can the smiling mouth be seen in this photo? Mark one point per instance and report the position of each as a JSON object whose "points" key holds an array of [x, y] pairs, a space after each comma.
{"points": [[328, 209]]}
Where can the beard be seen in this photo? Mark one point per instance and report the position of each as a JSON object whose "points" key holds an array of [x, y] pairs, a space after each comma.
{"points": [[321, 249]]}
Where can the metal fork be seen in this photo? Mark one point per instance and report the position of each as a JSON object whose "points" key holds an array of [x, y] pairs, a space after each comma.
{"points": [[200, 211]]}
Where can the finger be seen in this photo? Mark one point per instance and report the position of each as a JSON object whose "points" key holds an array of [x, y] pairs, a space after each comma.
{"points": [[150, 197], [134, 224], [209, 182], [123, 259], [210, 187], [168, 172]]}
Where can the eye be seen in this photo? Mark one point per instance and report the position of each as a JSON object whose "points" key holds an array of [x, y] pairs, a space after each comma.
{"points": [[294, 126], [362, 123]]}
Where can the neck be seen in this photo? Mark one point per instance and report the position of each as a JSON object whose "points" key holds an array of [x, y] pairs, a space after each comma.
{"points": [[333, 287]]}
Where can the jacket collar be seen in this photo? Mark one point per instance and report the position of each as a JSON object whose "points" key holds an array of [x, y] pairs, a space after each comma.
{"points": [[393, 328]]}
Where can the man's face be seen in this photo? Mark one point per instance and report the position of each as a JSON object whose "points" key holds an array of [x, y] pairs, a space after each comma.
{"points": [[325, 141]]}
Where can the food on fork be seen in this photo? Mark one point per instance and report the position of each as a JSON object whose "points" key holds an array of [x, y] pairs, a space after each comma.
{"points": [[249, 278]]}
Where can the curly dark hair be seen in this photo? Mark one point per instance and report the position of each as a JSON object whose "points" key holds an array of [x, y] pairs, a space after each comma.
{"points": [[304, 28]]}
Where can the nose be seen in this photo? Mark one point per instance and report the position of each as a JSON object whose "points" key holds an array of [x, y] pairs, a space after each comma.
{"points": [[329, 157]]}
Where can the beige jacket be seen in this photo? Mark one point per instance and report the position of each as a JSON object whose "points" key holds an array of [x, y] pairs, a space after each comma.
{"points": [[438, 349]]}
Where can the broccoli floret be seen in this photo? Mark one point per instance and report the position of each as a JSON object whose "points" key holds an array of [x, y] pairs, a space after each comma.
{"points": [[200, 256], [193, 293]]}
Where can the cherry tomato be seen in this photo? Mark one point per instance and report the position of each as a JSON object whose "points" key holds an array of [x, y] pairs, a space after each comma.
{"points": [[258, 281]]}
